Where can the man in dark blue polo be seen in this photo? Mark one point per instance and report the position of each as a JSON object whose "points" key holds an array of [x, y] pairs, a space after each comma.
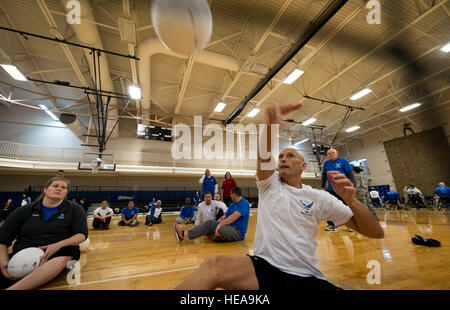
{"points": [[335, 163], [209, 183]]}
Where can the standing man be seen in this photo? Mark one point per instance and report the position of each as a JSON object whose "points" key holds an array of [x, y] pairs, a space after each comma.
{"points": [[335, 163], [102, 216], [208, 209], [289, 213], [209, 183], [230, 227], [129, 215]]}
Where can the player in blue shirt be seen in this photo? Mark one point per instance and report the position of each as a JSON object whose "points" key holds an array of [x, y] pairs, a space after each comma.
{"points": [[441, 194], [335, 163], [231, 227], [392, 197], [187, 213], [129, 215], [209, 183]]}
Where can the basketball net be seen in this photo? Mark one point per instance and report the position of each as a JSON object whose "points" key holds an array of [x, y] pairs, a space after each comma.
{"points": [[95, 169]]}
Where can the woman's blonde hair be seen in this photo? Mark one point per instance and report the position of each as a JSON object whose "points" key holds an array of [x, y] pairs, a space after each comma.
{"points": [[50, 182]]}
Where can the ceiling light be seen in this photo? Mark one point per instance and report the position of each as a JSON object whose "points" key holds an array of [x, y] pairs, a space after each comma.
{"points": [[360, 94], [309, 121], [220, 106], [253, 112], [14, 72], [134, 92], [352, 129], [410, 107], [295, 74], [300, 142], [446, 48], [49, 112]]}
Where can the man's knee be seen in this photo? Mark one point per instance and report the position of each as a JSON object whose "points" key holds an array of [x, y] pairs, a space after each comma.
{"points": [[213, 265]]}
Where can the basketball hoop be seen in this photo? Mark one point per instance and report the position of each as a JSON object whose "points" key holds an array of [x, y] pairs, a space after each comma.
{"points": [[96, 164]]}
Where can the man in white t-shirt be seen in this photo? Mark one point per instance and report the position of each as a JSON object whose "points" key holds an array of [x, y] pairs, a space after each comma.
{"points": [[102, 216], [208, 209], [289, 214], [375, 196]]}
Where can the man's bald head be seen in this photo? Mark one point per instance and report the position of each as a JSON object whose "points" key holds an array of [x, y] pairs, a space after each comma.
{"points": [[332, 154], [441, 184], [291, 163]]}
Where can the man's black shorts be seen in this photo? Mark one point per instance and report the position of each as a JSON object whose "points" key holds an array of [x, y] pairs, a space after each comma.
{"points": [[272, 278]]}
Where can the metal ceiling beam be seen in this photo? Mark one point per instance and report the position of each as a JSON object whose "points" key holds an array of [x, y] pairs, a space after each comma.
{"points": [[329, 11], [185, 81]]}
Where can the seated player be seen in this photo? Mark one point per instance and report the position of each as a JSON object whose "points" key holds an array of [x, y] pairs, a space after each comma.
{"points": [[222, 205], [441, 195], [102, 216], [289, 214], [52, 223], [25, 200], [84, 205], [230, 227], [208, 209], [392, 198], [6, 210], [129, 215], [415, 196], [197, 198], [154, 216], [375, 196], [186, 213]]}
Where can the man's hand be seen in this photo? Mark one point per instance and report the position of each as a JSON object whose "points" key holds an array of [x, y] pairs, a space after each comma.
{"points": [[217, 233], [342, 185], [50, 250], [274, 114]]}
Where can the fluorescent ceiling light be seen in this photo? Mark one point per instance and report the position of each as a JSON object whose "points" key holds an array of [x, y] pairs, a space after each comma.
{"points": [[300, 142], [134, 92], [14, 72], [360, 94], [253, 112], [410, 107], [49, 112], [352, 129], [295, 74], [446, 48], [309, 121], [220, 106]]}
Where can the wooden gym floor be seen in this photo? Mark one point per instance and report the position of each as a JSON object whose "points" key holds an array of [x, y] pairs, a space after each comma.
{"points": [[149, 258]]}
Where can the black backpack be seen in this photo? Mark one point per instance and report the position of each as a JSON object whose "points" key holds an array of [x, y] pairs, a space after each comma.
{"points": [[427, 242]]}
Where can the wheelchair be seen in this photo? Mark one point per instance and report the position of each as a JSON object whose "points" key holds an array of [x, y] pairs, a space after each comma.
{"points": [[415, 201], [393, 203], [444, 202]]}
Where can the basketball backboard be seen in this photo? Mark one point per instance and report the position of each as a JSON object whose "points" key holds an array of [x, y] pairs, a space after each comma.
{"points": [[97, 162]]}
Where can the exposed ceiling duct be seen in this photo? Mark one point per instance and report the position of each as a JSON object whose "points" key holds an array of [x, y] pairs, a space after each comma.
{"points": [[87, 33], [153, 46]]}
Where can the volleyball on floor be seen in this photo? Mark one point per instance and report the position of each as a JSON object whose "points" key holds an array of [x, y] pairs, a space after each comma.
{"points": [[84, 245], [183, 26], [24, 262]]}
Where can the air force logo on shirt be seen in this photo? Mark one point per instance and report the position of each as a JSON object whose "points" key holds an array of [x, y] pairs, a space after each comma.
{"points": [[338, 165], [61, 217], [306, 206]]}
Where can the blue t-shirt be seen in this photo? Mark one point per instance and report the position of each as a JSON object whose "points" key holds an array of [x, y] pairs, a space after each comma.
{"points": [[209, 185], [391, 195], [187, 212], [243, 207], [197, 197], [443, 191], [129, 213], [48, 212], [340, 164], [152, 203]]}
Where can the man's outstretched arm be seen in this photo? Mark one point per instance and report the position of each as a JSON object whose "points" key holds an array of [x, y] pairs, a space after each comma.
{"points": [[274, 115]]}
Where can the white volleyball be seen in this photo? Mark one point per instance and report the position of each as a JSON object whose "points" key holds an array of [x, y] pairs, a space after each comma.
{"points": [[84, 245], [24, 262], [183, 26]]}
